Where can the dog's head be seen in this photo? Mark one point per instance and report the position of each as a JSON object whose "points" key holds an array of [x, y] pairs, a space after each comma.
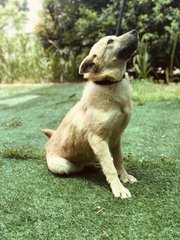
{"points": [[108, 57]]}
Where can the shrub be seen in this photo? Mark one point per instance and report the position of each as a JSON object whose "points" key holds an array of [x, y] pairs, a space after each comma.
{"points": [[23, 58], [141, 63], [76, 25]]}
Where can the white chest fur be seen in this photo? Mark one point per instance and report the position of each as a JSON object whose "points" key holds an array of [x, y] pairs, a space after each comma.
{"points": [[108, 108]]}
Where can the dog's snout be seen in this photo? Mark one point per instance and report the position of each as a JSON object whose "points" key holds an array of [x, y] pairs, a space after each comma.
{"points": [[128, 44], [134, 32]]}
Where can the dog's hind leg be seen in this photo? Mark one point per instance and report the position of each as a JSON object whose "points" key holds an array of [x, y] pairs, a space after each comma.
{"points": [[59, 165]]}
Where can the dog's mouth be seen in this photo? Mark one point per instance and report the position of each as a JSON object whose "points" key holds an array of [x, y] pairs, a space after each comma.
{"points": [[127, 51]]}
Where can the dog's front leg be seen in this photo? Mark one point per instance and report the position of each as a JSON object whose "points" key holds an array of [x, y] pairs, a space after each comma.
{"points": [[118, 162], [101, 150]]}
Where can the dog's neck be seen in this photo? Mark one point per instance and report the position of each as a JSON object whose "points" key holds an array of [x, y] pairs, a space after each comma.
{"points": [[107, 81]]}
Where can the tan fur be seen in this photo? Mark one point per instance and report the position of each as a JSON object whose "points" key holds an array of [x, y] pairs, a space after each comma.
{"points": [[48, 132], [91, 131]]}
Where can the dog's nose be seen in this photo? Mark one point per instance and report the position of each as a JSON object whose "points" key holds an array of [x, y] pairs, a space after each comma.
{"points": [[134, 32]]}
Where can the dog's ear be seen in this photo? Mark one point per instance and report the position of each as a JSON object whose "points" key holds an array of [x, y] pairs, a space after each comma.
{"points": [[48, 132], [89, 65]]}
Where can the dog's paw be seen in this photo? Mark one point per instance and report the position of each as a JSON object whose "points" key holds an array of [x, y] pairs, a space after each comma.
{"points": [[128, 178], [121, 192]]}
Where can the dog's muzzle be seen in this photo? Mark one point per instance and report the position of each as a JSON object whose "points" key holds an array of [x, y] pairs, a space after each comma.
{"points": [[129, 46]]}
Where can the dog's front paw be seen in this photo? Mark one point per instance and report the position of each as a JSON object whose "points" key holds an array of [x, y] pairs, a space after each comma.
{"points": [[121, 192], [128, 178]]}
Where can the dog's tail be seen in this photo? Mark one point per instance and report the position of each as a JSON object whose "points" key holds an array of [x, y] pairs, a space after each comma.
{"points": [[48, 132], [59, 165]]}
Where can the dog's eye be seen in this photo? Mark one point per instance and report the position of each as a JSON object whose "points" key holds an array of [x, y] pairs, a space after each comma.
{"points": [[110, 41]]}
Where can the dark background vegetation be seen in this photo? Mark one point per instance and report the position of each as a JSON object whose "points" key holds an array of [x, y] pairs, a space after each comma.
{"points": [[78, 24], [68, 28]]}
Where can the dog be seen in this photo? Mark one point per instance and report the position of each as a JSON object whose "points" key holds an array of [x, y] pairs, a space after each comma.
{"points": [[91, 131]]}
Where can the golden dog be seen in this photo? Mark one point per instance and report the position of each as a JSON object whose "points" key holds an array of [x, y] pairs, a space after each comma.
{"points": [[92, 129]]}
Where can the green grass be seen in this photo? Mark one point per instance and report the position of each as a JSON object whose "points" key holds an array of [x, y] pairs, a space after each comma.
{"points": [[36, 204]]}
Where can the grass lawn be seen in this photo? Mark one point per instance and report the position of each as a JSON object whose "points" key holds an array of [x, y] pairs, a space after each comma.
{"points": [[35, 204]]}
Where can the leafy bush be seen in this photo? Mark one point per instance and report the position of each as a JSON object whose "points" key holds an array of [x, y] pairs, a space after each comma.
{"points": [[23, 58], [141, 64], [160, 19], [69, 28], [76, 25]]}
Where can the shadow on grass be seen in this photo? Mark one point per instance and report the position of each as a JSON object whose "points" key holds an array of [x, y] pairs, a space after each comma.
{"points": [[154, 177], [47, 97], [91, 174]]}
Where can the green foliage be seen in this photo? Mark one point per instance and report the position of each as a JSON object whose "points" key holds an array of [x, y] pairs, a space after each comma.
{"points": [[76, 25], [61, 69], [12, 14], [169, 71], [141, 63], [161, 19], [68, 23], [64, 29], [68, 29], [22, 58]]}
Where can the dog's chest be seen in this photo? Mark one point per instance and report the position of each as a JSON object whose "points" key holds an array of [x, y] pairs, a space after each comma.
{"points": [[121, 115], [122, 108], [108, 109], [112, 117]]}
